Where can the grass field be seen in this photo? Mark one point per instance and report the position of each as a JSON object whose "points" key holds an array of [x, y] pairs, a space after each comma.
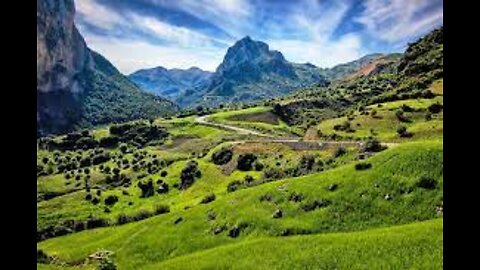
{"points": [[358, 203]]}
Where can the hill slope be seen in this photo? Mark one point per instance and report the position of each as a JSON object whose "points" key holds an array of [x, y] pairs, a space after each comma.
{"points": [[77, 87]]}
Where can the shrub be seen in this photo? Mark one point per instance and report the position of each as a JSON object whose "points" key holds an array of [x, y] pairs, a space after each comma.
{"points": [[162, 209], [320, 203], [107, 264], [362, 166], [111, 200], [401, 116], [94, 222], [233, 186], [426, 183], [123, 148], [42, 257], [258, 166], [143, 214], [402, 132], [146, 188], [248, 179], [273, 174], [188, 175], [295, 197], [245, 161], [163, 173], [207, 199], [222, 156], [373, 145], [435, 108], [340, 151]]}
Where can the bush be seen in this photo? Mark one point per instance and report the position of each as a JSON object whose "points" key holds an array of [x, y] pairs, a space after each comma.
{"points": [[162, 209], [163, 173], [223, 156], [207, 199], [107, 264], [245, 161], [42, 257], [248, 179], [123, 148], [402, 132], [143, 214], [426, 183], [146, 188], [94, 222], [435, 108], [111, 200], [401, 116], [233, 186], [273, 174], [362, 166], [188, 175], [340, 151], [373, 145], [122, 219], [258, 166], [162, 187], [320, 203]]}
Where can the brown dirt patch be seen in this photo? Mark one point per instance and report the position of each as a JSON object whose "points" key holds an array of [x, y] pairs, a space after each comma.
{"points": [[262, 117]]}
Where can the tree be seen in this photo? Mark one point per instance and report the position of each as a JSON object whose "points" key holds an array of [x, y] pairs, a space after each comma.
{"points": [[188, 175], [245, 161]]}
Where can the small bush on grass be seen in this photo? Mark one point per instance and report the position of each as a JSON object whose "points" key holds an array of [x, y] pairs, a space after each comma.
{"points": [[362, 166], [208, 198]]}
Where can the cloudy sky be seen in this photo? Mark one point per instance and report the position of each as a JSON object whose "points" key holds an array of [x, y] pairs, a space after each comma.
{"points": [[135, 34]]}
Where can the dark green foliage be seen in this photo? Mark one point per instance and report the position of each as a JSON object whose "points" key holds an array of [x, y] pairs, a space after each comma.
{"points": [[402, 132], [188, 175], [42, 257], [222, 156], [426, 183], [319, 203], [373, 145], [147, 188], [258, 166], [435, 108], [340, 151], [208, 198], [345, 126], [162, 209], [245, 161], [273, 174], [123, 219], [163, 173], [94, 222], [401, 116], [362, 166], [106, 264], [111, 200], [234, 185], [295, 197], [162, 187]]}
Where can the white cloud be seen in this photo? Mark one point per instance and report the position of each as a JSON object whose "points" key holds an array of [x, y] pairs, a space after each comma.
{"points": [[131, 55], [97, 14], [396, 21], [326, 53]]}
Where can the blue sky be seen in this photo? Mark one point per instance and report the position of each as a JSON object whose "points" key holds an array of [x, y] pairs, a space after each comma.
{"points": [[135, 34]]}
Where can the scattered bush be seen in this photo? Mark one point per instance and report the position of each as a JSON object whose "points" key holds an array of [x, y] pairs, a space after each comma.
{"points": [[273, 174], [162, 209], [340, 151], [147, 188], [188, 175], [310, 206], [233, 186], [402, 132], [245, 161], [207, 199], [373, 145], [222, 156], [362, 166], [426, 183], [111, 200], [435, 108]]}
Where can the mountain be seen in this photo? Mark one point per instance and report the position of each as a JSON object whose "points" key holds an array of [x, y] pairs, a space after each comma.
{"points": [[251, 71], [371, 63], [169, 82], [77, 87]]}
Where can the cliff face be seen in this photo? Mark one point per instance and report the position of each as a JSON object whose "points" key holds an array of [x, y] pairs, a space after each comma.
{"points": [[61, 51], [77, 87]]}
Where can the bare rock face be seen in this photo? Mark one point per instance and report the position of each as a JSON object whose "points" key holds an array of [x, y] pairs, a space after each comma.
{"points": [[77, 87], [61, 51]]}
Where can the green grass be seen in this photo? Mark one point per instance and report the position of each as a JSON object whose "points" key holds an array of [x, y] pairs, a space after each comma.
{"points": [[412, 246], [280, 129], [357, 204], [385, 124]]}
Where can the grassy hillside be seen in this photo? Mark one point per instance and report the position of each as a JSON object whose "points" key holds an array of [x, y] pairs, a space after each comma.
{"points": [[413, 246], [359, 202]]}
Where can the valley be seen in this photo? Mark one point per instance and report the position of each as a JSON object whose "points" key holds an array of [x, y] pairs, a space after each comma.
{"points": [[261, 164]]}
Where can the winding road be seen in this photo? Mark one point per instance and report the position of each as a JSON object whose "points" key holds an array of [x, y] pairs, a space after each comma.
{"points": [[203, 120]]}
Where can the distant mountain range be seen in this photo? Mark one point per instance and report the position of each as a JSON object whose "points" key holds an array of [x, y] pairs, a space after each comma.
{"points": [[169, 83], [77, 87], [251, 71]]}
